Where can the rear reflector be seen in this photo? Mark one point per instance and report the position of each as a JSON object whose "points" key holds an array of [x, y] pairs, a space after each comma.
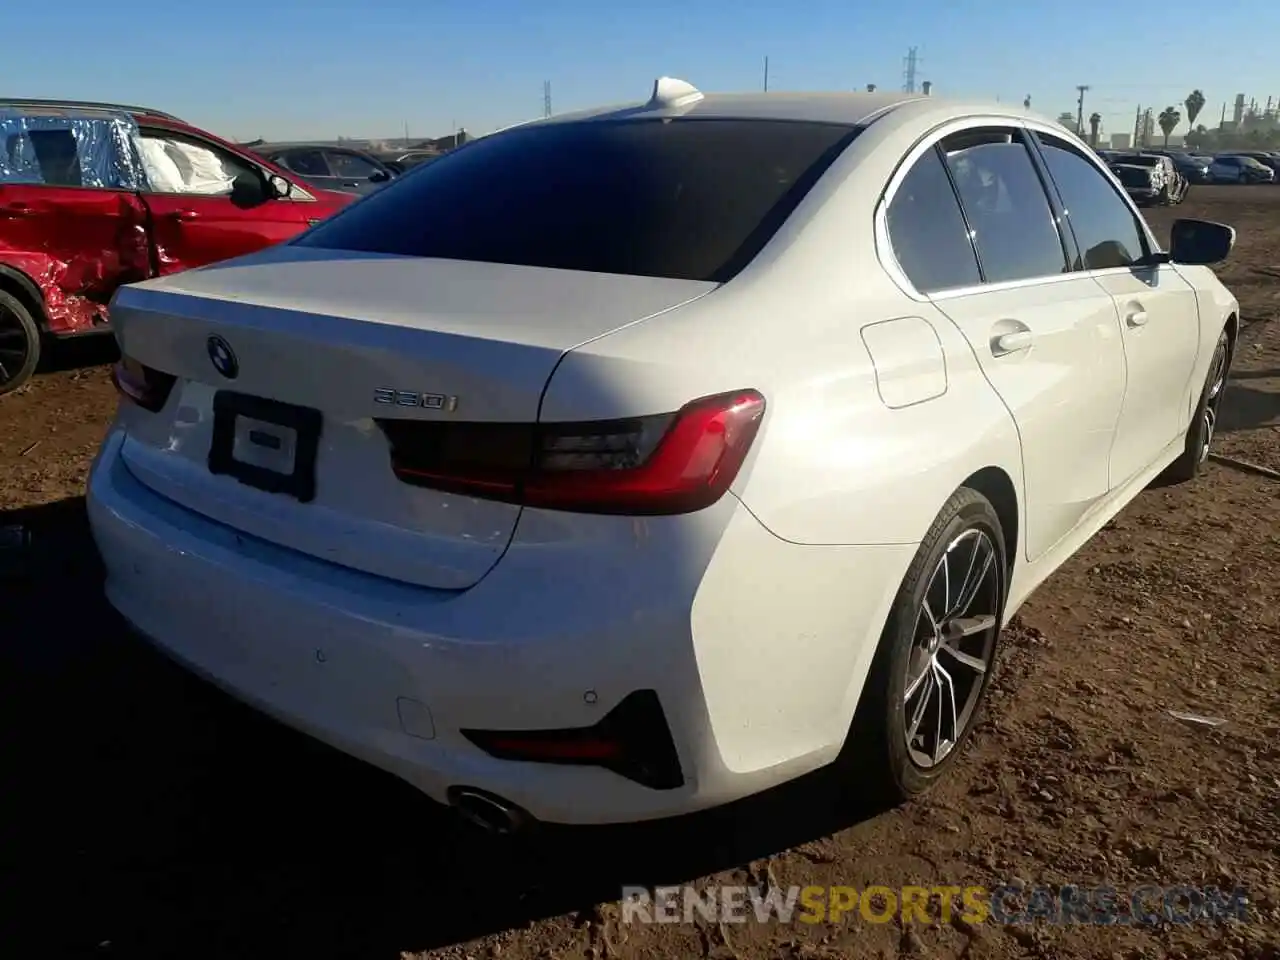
{"points": [[664, 464], [145, 386], [633, 740]]}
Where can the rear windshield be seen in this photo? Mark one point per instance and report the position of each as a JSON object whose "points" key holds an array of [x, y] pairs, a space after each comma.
{"points": [[1134, 178], [686, 199]]}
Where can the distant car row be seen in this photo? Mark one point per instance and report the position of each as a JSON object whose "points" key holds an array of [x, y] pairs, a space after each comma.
{"points": [[1163, 177]]}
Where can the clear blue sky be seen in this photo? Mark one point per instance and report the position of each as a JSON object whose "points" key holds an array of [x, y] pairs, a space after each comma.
{"points": [[289, 69]]}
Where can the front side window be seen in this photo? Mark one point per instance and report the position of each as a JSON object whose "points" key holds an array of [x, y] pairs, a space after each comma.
{"points": [[1005, 204], [1106, 228], [686, 199], [176, 163], [351, 166], [927, 230]]}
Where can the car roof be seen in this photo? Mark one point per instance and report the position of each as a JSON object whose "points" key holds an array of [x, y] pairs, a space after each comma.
{"points": [[87, 108], [673, 98]]}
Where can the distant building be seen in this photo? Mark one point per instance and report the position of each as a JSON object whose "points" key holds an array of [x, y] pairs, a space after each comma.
{"points": [[1121, 141]]}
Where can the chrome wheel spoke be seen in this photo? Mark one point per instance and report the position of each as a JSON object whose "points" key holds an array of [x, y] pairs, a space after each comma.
{"points": [[914, 685], [980, 558], [917, 715], [946, 699], [976, 664], [962, 627]]}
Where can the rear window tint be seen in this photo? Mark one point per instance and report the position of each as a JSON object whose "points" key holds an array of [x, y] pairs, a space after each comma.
{"points": [[685, 199]]}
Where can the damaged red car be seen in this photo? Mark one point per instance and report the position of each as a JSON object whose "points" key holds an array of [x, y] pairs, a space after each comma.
{"points": [[93, 196]]}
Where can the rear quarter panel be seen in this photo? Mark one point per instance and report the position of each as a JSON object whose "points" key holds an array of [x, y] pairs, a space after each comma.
{"points": [[834, 463]]}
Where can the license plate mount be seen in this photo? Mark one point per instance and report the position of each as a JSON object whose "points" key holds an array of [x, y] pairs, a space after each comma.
{"points": [[265, 444]]}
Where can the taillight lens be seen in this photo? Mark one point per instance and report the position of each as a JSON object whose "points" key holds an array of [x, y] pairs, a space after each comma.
{"points": [[147, 387], [665, 464]]}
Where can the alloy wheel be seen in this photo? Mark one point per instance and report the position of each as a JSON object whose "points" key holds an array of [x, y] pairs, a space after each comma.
{"points": [[1213, 399], [954, 647]]}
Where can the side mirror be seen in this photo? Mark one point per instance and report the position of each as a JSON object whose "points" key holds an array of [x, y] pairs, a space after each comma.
{"points": [[279, 187], [249, 190], [379, 176], [1200, 242]]}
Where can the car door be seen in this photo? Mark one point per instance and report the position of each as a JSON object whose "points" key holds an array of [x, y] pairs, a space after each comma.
{"points": [[223, 207], [1045, 338], [1156, 308], [310, 164], [356, 172], [76, 238]]}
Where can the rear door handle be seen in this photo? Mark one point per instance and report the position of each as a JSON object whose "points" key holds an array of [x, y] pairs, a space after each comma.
{"points": [[1136, 318], [1015, 342], [184, 215]]}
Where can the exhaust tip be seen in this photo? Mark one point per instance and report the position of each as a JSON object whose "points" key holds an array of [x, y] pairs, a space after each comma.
{"points": [[488, 811]]}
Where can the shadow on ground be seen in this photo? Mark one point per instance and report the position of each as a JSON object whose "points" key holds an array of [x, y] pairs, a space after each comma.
{"points": [[161, 818], [90, 350], [1248, 407]]}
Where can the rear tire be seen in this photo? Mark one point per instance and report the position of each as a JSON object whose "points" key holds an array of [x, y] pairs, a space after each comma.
{"points": [[931, 671], [1205, 421], [19, 343]]}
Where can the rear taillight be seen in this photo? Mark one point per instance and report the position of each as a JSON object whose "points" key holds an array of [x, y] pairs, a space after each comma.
{"points": [[147, 387], [669, 463]]}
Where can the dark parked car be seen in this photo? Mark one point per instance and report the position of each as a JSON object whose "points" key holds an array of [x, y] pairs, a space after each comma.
{"points": [[332, 168], [1238, 168], [1265, 157]]}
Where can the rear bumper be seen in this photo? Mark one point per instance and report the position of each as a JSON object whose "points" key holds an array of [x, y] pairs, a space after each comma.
{"points": [[391, 673]]}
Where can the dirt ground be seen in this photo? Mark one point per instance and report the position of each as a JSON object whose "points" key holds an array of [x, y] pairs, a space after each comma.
{"points": [[155, 817]]}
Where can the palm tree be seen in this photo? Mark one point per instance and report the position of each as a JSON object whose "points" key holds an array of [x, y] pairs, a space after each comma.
{"points": [[1095, 121], [1194, 104], [1169, 118]]}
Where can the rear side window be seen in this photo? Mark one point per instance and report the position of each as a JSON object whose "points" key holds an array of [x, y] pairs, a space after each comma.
{"points": [[1006, 206], [686, 199], [927, 231]]}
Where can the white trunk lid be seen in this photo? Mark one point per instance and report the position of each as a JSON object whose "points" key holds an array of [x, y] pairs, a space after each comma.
{"points": [[327, 331]]}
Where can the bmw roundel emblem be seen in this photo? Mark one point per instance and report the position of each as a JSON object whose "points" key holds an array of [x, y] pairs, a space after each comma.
{"points": [[223, 357]]}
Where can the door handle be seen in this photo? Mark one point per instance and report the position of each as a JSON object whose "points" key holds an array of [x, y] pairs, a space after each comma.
{"points": [[1136, 318], [182, 216], [1015, 342]]}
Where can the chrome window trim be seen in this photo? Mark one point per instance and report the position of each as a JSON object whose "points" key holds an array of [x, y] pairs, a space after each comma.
{"points": [[884, 247]]}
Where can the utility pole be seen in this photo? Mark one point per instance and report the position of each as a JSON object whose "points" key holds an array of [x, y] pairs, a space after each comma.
{"points": [[1082, 88], [1137, 125], [766, 74], [546, 98], [406, 133]]}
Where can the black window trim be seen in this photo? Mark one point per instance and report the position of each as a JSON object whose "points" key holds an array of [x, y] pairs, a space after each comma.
{"points": [[941, 154]]}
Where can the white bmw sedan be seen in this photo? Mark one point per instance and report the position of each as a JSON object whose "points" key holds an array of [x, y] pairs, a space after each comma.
{"points": [[629, 462]]}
